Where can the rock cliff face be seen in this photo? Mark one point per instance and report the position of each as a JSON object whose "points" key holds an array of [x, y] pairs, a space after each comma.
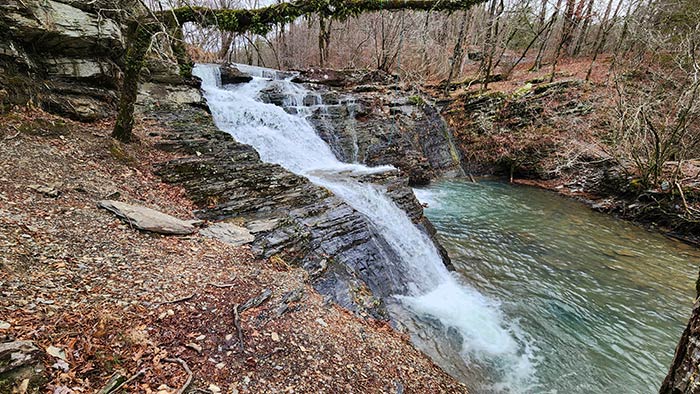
{"points": [[67, 55], [520, 131], [61, 55], [369, 119]]}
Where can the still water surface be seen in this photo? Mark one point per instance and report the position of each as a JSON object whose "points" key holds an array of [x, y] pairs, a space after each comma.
{"points": [[600, 302]]}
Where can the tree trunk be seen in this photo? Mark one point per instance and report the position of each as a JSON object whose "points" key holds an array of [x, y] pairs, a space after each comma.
{"points": [[623, 35], [565, 35], [495, 9], [226, 41], [139, 37], [583, 32], [601, 35], [540, 53], [686, 361], [457, 55], [324, 39]]}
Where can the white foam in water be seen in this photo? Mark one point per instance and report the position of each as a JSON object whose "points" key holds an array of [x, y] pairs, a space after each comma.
{"points": [[428, 197], [481, 325], [291, 141]]}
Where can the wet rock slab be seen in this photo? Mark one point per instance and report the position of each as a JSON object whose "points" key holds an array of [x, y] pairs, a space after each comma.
{"points": [[230, 74]]}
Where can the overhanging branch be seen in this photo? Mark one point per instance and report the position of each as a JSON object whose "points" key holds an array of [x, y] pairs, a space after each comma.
{"points": [[262, 20]]}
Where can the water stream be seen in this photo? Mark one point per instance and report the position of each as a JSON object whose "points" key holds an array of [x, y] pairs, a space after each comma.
{"points": [[427, 289], [477, 323], [605, 300]]}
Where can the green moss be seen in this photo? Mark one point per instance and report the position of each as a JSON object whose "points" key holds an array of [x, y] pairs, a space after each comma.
{"points": [[44, 128], [262, 20], [117, 151], [523, 90], [416, 100]]}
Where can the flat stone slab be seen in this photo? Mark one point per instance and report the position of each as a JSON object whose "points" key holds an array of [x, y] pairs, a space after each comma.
{"points": [[262, 226], [229, 233], [148, 219]]}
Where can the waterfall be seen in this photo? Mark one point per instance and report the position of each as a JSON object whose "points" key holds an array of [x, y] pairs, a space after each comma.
{"points": [[285, 137]]}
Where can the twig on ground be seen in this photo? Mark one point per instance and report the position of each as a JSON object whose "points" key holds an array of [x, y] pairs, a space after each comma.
{"points": [[126, 382], [238, 309], [184, 366], [222, 285], [237, 324], [189, 297], [685, 203], [12, 136], [256, 301]]}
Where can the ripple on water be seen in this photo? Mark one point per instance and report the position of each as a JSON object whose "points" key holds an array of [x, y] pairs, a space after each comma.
{"points": [[603, 301]]}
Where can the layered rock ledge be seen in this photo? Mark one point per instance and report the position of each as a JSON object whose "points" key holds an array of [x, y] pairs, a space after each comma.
{"points": [[309, 226]]}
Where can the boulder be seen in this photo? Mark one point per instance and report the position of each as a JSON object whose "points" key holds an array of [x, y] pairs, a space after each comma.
{"points": [[147, 219], [322, 77], [232, 75], [160, 93], [262, 226], [229, 233]]}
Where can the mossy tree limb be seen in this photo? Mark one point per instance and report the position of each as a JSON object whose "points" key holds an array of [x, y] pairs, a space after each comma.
{"points": [[262, 20], [259, 21]]}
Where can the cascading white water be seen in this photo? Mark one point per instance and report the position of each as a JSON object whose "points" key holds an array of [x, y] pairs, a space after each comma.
{"points": [[290, 140]]}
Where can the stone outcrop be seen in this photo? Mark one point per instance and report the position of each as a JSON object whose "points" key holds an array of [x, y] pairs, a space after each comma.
{"points": [[230, 74], [502, 132], [229, 233], [21, 367], [61, 55], [367, 119], [67, 56], [290, 217]]}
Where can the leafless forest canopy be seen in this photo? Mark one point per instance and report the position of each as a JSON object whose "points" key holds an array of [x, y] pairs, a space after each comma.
{"points": [[646, 49]]}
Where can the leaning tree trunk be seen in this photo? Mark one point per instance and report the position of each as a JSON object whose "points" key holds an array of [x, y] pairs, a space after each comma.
{"points": [[139, 37], [258, 21], [685, 367]]}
